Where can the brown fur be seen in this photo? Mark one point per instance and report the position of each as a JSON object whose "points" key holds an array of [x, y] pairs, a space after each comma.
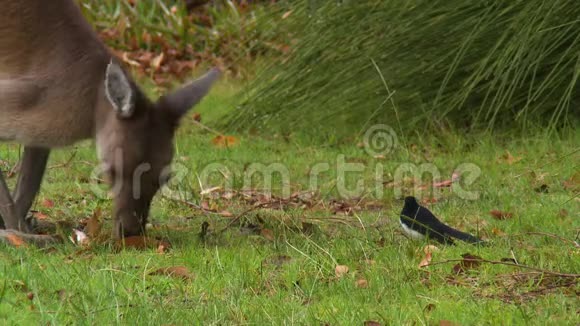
{"points": [[52, 94]]}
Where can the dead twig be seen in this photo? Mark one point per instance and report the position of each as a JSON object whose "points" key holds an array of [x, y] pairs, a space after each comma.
{"points": [[65, 164], [239, 216], [551, 235], [495, 262]]}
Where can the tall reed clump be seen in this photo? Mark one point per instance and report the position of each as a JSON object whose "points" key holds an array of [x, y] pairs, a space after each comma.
{"points": [[421, 65]]}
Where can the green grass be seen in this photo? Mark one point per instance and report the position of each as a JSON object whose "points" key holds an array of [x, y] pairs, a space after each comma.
{"points": [[237, 278]]}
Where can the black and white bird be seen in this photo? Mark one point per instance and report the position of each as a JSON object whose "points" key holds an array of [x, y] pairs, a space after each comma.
{"points": [[418, 222]]}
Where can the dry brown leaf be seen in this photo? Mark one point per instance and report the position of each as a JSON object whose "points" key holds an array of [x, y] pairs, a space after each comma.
{"points": [[371, 323], [209, 190], [224, 141], [362, 283], [268, 234], [340, 270], [94, 225], [447, 323], [131, 62], [510, 159], [137, 242], [197, 117], [499, 215], [162, 247], [15, 240], [426, 260], [498, 232], [287, 14], [469, 262], [157, 61], [226, 214], [39, 215], [175, 271], [205, 205], [572, 183], [563, 213], [47, 203], [430, 248]]}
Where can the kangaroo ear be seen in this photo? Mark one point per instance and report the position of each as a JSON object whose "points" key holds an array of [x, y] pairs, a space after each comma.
{"points": [[183, 99], [119, 91]]}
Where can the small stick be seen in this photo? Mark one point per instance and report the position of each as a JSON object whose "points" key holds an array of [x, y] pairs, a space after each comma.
{"points": [[551, 235], [494, 262], [239, 216]]}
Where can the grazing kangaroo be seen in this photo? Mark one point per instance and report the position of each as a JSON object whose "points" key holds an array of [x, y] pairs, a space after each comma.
{"points": [[59, 84]]}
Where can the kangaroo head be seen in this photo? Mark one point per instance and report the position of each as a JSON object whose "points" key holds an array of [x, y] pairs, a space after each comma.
{"points": [[135, 142]]}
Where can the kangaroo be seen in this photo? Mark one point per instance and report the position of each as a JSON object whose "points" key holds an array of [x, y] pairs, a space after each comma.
{"points": [[59, 84]]}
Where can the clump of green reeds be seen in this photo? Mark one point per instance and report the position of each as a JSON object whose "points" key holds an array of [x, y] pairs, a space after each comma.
{"points": [[422, 65]]}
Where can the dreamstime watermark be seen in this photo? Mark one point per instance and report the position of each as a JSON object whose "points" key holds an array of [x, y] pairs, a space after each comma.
{"points": [[380, 140], [351, 178]]}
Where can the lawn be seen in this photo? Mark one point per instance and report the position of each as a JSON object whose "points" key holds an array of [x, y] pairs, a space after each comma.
{"points": [[241, 256]]}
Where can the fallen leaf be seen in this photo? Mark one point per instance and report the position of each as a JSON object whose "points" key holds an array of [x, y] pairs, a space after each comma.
{"points": [[340, 270], [426, 260], [126, 59], [371, 323], [15, 240], [430, 248], [225, 214], [137, 242], [287, 14], [468, 262], [163, 247], [209, 190], [47, 203], [30, 296], [175, 271], [510, 159], [573, 183], [39, 215], [499, 215], [157, 61], [205, 206], [197, 117], [446, 323], [498, 232], [563, 213], [268, 234], [81, 238], [224, 141], [362, 283], [94, 225]]}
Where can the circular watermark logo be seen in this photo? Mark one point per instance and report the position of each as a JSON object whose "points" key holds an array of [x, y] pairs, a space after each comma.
{"points": [[380, 140]]}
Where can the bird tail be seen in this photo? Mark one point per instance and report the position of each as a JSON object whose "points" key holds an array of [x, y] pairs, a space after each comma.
{"points": [[466, 237]]}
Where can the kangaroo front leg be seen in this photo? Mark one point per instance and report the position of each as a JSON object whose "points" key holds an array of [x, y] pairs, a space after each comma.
{"points": [[32, 170]]}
